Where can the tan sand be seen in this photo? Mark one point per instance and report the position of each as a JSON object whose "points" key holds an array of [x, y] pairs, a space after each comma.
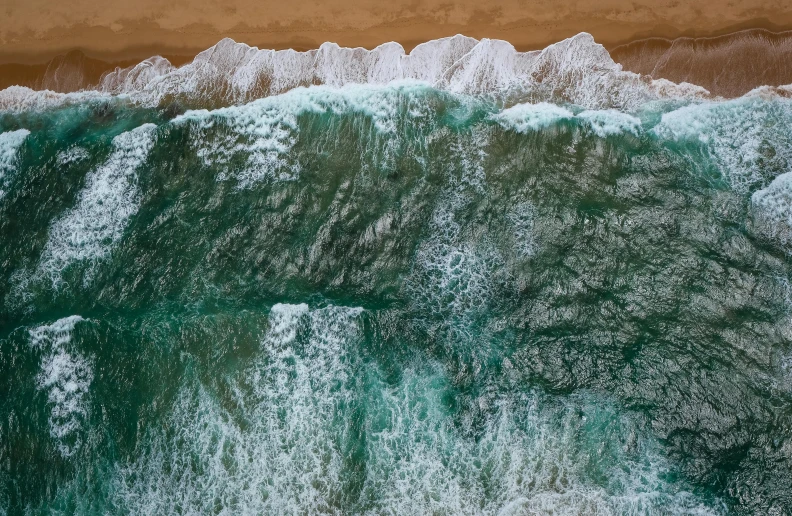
{"points": [[118, 32]]}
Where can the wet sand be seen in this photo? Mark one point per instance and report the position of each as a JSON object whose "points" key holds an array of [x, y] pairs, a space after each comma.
{"points": [[68, 45], [728, 65]]}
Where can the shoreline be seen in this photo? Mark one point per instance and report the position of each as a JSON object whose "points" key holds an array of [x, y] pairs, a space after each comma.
{"points": [[142, 40], [751, 56], [35, 31]]}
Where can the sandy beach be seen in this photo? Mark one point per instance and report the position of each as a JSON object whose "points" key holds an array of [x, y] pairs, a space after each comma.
{"points": [[102, 35]]}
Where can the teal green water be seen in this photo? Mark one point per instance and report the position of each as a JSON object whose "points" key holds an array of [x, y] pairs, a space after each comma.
{"points": [[394, 300]]}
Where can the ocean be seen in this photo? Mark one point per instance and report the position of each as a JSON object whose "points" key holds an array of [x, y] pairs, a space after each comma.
{"points": [[461, 281]]}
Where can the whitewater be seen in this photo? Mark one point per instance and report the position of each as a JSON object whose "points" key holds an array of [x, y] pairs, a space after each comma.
{"points": [[463, 280]]}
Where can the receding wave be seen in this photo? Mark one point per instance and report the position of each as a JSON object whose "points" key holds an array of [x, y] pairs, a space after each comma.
{"points": [[729, 65]]}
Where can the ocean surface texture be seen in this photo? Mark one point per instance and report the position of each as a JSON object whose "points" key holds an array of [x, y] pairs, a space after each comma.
{"points": [[461, 281]]}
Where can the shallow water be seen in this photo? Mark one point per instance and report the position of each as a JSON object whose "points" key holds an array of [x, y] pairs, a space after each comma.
{"points": [[396, 300]]}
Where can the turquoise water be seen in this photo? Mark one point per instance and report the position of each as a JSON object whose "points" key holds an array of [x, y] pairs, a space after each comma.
{"points": [[396, 300]]}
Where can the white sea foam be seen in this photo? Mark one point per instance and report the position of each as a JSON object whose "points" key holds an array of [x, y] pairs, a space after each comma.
{"points": [[21, 98], [10, 141], [786, 371], [521, 217], [289, 454], [66, 377], [56, 334], [529, 459], [453, 274], [743, 135], [775, 205], [310, 407], [576, 70], [456, 278], [110, 197], [524, 118], [72, 155], [611, 122], [136, 77], [749, 141], [264, 132]]}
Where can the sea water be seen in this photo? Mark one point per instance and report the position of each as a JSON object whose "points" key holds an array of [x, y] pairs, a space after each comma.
{"points": [[355, 282]]}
